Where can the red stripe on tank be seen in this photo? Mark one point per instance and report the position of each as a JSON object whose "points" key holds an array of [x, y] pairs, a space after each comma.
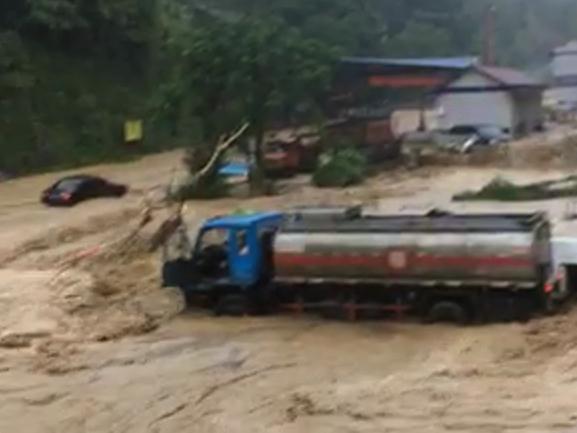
{"points": [[494, 261], [290, 260], [329, 260]]}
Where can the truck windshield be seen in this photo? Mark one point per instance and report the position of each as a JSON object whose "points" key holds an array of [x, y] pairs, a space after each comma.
{"points": [[213, 237]]}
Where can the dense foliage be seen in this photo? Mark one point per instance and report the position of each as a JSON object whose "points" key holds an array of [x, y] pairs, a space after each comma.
{"points": [[72, 71], [340, 168], [500, 189]]}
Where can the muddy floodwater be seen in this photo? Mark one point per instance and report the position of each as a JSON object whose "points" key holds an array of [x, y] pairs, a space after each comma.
{"points": [[298, 375], [97, 346]]}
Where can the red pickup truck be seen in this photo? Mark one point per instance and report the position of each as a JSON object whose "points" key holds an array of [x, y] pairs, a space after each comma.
{"points": [[374, 135], [291, 151], [288, 152]]}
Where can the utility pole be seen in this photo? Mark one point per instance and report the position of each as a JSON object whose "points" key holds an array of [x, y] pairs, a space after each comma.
{"points": [[488, 56]]}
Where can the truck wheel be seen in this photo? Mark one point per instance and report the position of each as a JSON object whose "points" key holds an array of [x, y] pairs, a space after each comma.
{"points": [[231, 305], [448, 312]]}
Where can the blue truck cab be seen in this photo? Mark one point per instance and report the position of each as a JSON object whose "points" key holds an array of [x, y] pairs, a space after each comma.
{"points": [[231, 254]]}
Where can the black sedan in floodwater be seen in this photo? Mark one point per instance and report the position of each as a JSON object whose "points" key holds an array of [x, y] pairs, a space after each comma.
{"points": [[70, 191]]}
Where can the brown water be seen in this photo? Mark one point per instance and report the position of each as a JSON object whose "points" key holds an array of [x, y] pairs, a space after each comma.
{"points": [[98, 348]]}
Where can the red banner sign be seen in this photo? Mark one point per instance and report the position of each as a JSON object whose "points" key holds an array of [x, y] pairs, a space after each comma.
{"points": [[400, 81]]}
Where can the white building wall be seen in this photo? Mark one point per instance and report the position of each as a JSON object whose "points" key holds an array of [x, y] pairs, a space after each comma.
{"points": [[564, 67], [493, 108], [461, 108], [560, 94]]}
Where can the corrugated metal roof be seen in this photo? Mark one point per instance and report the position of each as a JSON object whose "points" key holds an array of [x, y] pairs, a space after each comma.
{"points": [[508, 76], [433, 62]]}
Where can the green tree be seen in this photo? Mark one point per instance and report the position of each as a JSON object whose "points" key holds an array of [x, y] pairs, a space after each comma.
{"points": [[74, 69], [229, 72], [204, 78], [16, 85], [15, 73], [350, 26], [56, 15], [279, 70], [201, 88], [420, 39]]}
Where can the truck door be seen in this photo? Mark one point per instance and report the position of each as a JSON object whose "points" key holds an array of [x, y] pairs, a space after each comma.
{"points": [[245, 257], [212, 253]]}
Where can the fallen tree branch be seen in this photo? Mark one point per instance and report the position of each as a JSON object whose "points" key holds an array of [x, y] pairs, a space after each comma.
{"points": [[165, 231], [171, 224], [221, 148]]}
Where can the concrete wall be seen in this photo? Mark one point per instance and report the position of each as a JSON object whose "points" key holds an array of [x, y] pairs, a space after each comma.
{"points": [[564, 65], [565, 97], [528, 113], [475, 107], [519, 111], [408, 120], [494, 108]]}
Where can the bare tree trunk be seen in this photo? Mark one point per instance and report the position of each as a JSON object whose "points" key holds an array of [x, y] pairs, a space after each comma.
{"points": [[171, 224], [224, 145], [258, 181]]}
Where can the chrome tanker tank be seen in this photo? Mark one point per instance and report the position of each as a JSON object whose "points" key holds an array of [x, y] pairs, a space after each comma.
{"points": [[341, 245]]}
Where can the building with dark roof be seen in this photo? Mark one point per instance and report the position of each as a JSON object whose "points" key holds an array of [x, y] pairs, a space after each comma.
{"points": [[487, 95], [386, 83], [463, 91]]}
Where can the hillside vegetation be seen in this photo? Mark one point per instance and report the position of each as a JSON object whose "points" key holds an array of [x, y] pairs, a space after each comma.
{"points": [[72, 71]]}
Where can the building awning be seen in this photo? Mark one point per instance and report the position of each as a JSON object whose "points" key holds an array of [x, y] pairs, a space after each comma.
{"points": [[458, 63], [424, 74]]}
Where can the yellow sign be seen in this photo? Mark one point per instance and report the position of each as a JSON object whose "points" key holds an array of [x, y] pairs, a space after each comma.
{"points": [[133, 131]]}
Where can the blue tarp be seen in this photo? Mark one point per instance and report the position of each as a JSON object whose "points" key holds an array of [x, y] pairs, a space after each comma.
{"points": [[234, 169]]}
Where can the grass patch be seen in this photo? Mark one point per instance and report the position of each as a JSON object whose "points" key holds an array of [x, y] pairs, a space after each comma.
{"points": [[500, 189], [340, 168]]}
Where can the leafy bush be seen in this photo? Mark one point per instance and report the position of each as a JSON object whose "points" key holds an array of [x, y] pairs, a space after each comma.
{"points": [[500, 189], [340, 168], [497, 189]]}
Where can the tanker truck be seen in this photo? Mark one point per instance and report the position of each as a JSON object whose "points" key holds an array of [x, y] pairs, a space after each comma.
{"points": [[438, 266]]}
